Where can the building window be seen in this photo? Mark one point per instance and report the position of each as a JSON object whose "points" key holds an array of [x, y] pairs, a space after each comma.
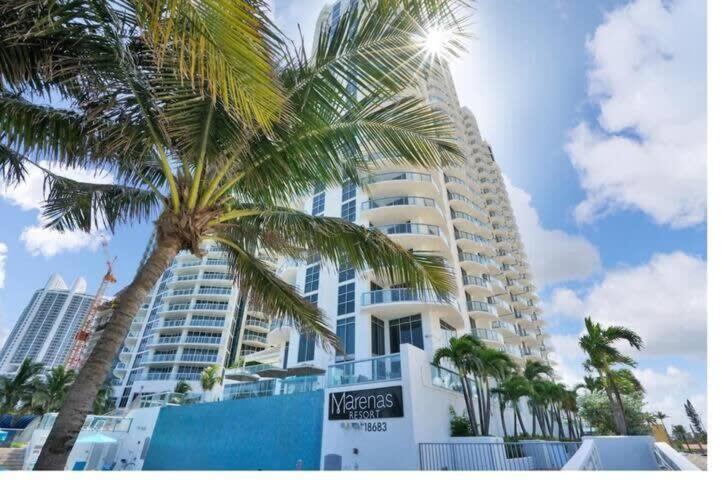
{"points": [[319, 203], [306, 346], [346, 298], [348, 211], [348, 191], [312, 276], [346, 331], [405, 330], [378, 339], [345, 272]]}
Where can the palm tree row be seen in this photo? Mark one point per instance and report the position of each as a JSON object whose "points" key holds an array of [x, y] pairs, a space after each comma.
{"points": [[211, 124], [479, 366], [33, 391]]}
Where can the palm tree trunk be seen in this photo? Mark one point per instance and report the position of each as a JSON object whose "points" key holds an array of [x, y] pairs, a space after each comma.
{"points": [[465, 386], [79, 401], [503, 420], [617, 412], [570, 425], [515, 417], [580, 426], [487, 419], [560, 425], [540, 417], [480, 403], [533, 420], [521, 422]]}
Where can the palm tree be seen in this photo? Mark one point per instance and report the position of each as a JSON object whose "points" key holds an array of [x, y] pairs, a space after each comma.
{"points": [[211, 126], [461, 353], [103, 402], [16, 391], [598, 343], [49, 393], [659, 415], [680, 434], [535, 372], [569, 405], [182, 387], [489, 363], [210, 377], [516, 387], [591, 384]]}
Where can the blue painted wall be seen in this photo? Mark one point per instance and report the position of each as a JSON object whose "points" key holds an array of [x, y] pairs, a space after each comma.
{"points": [[265, 433]]}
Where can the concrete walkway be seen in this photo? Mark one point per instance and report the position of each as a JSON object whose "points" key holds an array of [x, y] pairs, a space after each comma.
{"points": [[699, 460]]}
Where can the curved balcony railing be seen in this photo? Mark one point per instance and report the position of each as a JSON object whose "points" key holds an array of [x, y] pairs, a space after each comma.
{"points": [[254, 322], [477, 306], [398, 202], [254, 337], [396, 176], [465, 216], [470, 280], [486, 334], [501, 324], [395, 295], [474, 257], [462, 235], [409, 228], [465, 199]]}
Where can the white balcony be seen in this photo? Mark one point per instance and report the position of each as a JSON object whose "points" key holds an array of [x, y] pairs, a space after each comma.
{"points": [[470, 223], [288, 269], [389, 210], [416, 236], [505, 328], [397, 302], [475, 263], [477, 286], [474, 242], [486, 335], [480, 310], [399, 183]]}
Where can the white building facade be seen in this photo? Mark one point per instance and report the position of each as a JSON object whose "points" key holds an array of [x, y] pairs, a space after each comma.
{"points": [[193, 318], [45, 331]]}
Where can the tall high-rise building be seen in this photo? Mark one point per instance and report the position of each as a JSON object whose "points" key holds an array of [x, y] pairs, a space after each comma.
{"points": [[463, 213], [193, 318], [46, 329]]}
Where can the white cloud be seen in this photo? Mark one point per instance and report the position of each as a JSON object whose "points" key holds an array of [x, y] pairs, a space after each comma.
{"points": [[29, 195], [663, 300], [290, 14], [555, 256], [3, 258], [668, 390], [648, 151]]}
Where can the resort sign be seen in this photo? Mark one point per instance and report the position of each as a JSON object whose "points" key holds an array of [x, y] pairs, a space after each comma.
{"points": [[384, 402]]}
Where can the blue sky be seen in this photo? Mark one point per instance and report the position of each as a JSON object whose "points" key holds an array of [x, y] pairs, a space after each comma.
{"points": [[596, 112]]}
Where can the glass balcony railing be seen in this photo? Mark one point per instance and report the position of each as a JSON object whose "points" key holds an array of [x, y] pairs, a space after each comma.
{"points": [[471, 280], [486, 334], [465, 216], [375, 369], [277, 386], [409, 228], [462, 235], [396, 176], [474, 257], [496, 324], [394, 295], [257, 323], [93, 423], [444, 378], [254, 337], [398, 202], [477, 306]]}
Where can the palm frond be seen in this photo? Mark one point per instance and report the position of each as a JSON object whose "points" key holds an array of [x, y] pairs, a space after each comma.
{"points": [[338, 241], [13, 166], [623, 333], [71, 204], [274, 296], [226, 46]]}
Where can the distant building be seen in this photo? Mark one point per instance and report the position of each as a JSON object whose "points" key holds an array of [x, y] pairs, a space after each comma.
{"points": [[46, 329]]}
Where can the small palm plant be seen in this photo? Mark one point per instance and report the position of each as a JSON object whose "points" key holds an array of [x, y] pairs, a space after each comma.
{"points": [[680, 434], [515, 388], [598, 343], [489, 363], [210, 377], [535, 372], [16, 391], [50, 392], [461, 353], [212, 127], [182, 387]]}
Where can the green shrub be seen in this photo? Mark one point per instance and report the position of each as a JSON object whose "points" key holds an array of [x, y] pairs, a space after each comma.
{"points": [[460, 425]]}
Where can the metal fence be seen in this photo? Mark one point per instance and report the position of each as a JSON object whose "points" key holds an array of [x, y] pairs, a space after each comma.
{"points": [[532, 455]]}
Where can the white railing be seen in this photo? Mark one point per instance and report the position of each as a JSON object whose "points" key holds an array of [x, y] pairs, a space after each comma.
{"points": [[586, 458], [670, 459]]}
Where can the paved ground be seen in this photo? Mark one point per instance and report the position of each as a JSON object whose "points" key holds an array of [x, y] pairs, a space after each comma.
{"points": [[697, 459]]}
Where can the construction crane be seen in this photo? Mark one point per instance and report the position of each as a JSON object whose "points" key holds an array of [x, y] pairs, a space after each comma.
{"points": [[77, 358]]}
